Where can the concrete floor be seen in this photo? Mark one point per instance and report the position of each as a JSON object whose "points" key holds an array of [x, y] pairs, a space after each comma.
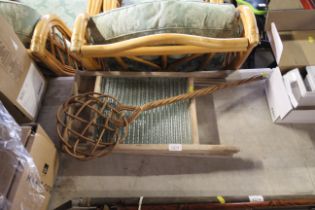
{"points": [[274, 159]]}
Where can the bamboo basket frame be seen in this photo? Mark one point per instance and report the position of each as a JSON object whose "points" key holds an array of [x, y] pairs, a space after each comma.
{"points": [[194, 149], [50, 45], [240, 48]]}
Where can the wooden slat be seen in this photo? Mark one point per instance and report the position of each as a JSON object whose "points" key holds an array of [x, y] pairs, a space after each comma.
{"points": [[122, 63], [206, 62], [164, 61], [193, 114], [131, 74], [98, 83], [187, 149], [148, 63]]}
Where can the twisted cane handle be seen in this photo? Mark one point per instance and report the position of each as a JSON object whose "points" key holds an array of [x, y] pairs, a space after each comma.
{"points": [[197, 93]]}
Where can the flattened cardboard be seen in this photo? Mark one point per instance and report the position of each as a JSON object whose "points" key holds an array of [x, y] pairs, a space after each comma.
{"points": [[310, 78], [278, 99], [280, 106], [296, 89], [21, 83], [276, 42]]}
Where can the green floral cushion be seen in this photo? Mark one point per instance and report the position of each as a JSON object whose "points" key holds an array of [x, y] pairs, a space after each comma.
{"points": [[67, 10], [165, 16], [22, 18], [130, 2]]}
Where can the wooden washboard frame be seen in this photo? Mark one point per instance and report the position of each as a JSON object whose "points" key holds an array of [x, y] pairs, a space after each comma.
{"points": [[194, 149], [194, 46]]}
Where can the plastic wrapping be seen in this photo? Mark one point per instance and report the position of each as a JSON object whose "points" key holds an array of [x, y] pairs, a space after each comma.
{"points": [[31, 196]]}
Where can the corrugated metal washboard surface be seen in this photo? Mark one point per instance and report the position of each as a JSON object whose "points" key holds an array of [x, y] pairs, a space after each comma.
{"points": [[164, 125]]}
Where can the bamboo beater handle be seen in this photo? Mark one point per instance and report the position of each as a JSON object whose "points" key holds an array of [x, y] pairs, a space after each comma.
{"points": [[197, 93]]}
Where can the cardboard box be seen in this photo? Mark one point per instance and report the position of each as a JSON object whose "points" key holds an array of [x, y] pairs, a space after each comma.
{"points": [[281, 109], [21, 83], [291, 32], [289, 15], [45, 157], [292, 49], [310, 78], [296, 89]]}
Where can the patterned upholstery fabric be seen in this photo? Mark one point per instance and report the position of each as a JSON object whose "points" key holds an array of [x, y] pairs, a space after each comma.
{"points": [[67, 10], [22, 18], [165, 16]]}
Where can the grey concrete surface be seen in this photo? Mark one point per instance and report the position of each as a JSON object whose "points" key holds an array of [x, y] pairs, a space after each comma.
{"points": [[274, 159]]}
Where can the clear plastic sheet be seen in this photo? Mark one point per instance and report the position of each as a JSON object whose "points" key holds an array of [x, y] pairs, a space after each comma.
{"points": [[12, 146]]}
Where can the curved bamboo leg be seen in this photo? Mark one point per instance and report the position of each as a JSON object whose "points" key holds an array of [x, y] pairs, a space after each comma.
{"points": [[140, 60], [216, 1], [206, 61], [110, 4], [41, 36], [122, 63], [94, 7], [250, 32]]}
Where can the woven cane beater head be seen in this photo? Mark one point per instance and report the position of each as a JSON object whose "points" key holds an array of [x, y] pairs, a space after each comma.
{"points": [[107, 125]]}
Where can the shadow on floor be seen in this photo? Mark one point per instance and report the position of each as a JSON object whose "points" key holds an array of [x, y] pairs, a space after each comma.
{"points": [[140, 165], [309, 129]]}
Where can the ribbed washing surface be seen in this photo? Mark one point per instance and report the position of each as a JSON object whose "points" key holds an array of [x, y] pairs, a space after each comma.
{"points": [[164, 125]]}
